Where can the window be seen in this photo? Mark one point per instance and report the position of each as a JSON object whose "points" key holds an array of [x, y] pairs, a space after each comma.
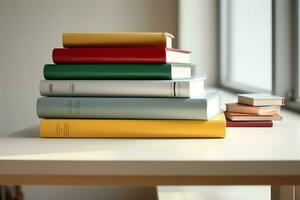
{"points": [[260, 47], [247, 45]]}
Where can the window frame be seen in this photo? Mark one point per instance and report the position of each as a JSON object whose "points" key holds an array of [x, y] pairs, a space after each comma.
{"points": [[285, 51]]}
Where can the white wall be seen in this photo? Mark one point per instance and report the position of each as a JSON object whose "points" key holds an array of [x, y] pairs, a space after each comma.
{"points": [[198, 32], [30, 29]]}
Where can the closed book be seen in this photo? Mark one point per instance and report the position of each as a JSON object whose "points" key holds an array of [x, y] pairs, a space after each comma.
{"points": [[115, 128], [251, 117], [117, 71], [118, 39], [266, 123], [260, 99], [120, 55], [259, 110], [129, 88], [203, 107]]}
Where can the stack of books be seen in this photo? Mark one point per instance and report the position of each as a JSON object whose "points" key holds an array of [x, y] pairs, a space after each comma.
{"points": [[254, 110], [125, 85]]}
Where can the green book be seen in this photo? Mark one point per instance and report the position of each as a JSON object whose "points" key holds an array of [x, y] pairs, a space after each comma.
{"points": [[116, 71]]}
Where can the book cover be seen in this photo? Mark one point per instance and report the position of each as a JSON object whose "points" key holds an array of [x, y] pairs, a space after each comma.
{"points": [[125, 88], [116, 71], [116, 128], [251, 117], [118, 39], [266, 123], [120, 55], [260, 99], [203, 107], [259, 110]]}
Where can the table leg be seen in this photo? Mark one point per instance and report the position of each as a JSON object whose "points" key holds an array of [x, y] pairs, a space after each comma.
{"points": [[148, 193], [16, 192], [297, 192], [283, 192]]}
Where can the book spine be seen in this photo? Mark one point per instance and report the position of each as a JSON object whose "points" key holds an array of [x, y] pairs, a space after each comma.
{"points": [[109, 55], [249, 123], [132, 128], [116, 88], [132, 108], [115, 39], [107, 71]]}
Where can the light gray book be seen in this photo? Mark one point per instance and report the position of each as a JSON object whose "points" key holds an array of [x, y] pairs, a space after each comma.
{"points": [[203, 107], [129, 88]]}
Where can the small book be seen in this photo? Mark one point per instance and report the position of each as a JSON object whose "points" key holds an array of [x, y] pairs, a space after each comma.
{"points": [[259, 110], [110, 71], [251, 117], [203, 107], [119, 88], [120, 55], [133, 128], [266, 123], [260, 100], [118, 39]]}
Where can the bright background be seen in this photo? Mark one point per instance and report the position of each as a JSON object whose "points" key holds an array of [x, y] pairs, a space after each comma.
{"points": [[31, 29]]}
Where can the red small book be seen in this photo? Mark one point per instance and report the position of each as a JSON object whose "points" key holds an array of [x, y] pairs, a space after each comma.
{"points": [[120, 55], [266, 123]]}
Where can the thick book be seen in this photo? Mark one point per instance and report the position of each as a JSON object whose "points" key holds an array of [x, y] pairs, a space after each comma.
{"points": [[115, 128], [251, 117], [203, 107], [117, 71], [259, 110], [118, 39], [260, 99], [120, 55], [129, 88], [266, 123]]}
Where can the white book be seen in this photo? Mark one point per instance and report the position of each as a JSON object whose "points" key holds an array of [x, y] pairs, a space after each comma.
{"points": [[123, 88], [203, 107], [260, 99]]}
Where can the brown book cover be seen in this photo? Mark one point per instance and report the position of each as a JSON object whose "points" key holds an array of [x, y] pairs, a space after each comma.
{"points": [[259, 110], [266, 123], [251, 117]]}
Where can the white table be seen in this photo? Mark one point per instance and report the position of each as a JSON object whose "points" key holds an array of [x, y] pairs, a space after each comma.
{"points": [[247, 156]]}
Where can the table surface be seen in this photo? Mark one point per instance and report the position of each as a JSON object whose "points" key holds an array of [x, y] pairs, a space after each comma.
{"points": [[214, 192], [244, 151], [270, 151]]}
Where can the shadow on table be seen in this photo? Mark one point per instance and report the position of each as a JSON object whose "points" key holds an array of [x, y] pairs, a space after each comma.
{"points": [[31, 132]]}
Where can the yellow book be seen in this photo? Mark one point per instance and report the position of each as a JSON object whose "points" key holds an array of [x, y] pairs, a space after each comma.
{"points": [[131, 128], [118, 39]]}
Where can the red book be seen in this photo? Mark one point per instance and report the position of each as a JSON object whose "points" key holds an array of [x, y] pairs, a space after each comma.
{"points": [[120, 55], [267, 123]]}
